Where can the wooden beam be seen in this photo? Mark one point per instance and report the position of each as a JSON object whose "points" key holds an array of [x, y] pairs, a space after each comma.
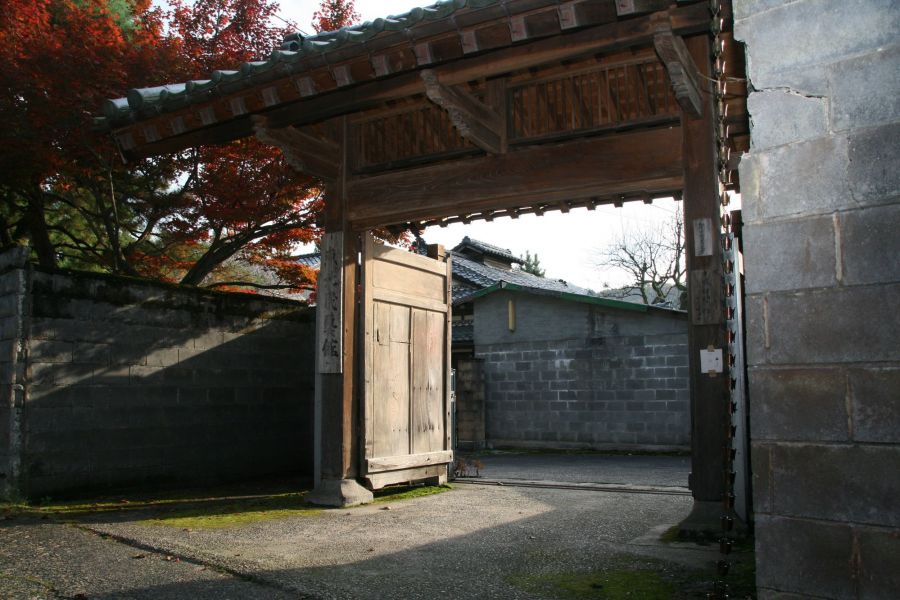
{"points": [[407, 461], [682, 69], [646, 161], [707, 327], [608, 37], [475, 121], [306, 153], [626, 8]]}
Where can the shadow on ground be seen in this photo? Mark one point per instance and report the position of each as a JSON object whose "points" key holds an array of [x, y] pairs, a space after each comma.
{"points": [[474, 542]]}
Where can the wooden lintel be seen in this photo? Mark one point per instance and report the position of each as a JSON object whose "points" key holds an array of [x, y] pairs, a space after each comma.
{"points": [[646, 161], [682, 70], [626, 8], [607, 37], [475, 121], [306, 153]]}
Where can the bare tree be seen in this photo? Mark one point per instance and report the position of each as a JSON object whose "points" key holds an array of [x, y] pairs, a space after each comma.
{"points": [[653, 257]]}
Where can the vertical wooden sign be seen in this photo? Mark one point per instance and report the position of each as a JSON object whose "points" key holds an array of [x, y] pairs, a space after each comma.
{"points": [[330, 303], [703, 237]]}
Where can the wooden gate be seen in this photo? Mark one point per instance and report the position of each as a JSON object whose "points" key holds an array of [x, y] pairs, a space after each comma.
{"points": [[406, 365]]}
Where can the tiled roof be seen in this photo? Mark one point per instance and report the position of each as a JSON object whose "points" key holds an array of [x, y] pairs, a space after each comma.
{"points": [[482, 276], [289, 59], [312, 260], [463, 331], [472, 279], [489, 249]]}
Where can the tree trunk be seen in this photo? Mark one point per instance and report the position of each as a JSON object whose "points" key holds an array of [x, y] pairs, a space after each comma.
{"points": [[40, 237]]}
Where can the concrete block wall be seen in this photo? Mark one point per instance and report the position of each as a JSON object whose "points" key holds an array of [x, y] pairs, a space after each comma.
{"points": [[470, 394], [12, 285], [601, 378], [821, 204], [135, 383]]}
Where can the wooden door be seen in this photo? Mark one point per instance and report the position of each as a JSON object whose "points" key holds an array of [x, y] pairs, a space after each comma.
{"points": [[406, 365]]}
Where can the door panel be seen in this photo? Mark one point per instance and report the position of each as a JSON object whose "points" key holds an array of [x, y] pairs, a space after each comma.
{"points": [[405, 371]]}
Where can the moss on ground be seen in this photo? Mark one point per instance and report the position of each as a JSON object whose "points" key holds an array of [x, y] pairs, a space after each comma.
{"points": [[636, 578], [602, 585], [234, 512], [408, 492], [199, 509]]}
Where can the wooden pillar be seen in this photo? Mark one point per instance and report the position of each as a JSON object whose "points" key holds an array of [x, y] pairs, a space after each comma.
{"points": [[707, 330], [337, 414]]}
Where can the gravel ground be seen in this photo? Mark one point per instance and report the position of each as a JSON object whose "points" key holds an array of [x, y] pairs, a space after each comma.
{"points": [[474, 541], [656, 471], [44, 560], [466, 543]]}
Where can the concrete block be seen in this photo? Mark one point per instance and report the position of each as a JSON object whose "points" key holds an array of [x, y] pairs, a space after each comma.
{"points": [[856, 484], [871, 244], [833, 326], [805, 557], [111, 376], [755, 310], [872, 173], [747, 8], [91, 354], [761, 473], [805, 256], [127, 353], [789, 39], [854, 102], [783, 116], [879, 552], [43, 351], [875, 401], [821, 188], [11, 258], [162, 357], [751, 198], [60, 374], [799, 405]]}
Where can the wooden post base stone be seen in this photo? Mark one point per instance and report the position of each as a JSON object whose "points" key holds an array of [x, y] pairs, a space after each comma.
{"points": [[339, 493]]}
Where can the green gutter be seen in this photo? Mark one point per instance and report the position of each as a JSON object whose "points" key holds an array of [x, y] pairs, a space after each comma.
{"points": [[607, 302]]}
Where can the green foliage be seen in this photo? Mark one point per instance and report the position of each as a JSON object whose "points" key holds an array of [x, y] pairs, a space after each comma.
{"points": [[532, 264]]}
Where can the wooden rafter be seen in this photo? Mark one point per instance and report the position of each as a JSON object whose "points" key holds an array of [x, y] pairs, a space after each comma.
{"points": [[680, 66], [298, 107], [306, 153], [626, 164], [475, 120]]}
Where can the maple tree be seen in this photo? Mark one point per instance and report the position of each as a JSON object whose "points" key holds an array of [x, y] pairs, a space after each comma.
{"points": [[334, 14], [58, 60], [179, 218]]}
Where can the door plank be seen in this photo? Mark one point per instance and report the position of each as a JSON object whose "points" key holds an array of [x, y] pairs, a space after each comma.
{"points": [[406, 461]]}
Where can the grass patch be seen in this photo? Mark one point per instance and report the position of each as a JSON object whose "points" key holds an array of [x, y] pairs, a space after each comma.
{"points": [[641, 578], [234, 512], [671, 535], [408, 492], [199, 509], [602, 585]]}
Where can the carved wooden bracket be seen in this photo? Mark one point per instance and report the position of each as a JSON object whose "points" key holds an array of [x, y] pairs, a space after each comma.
{"points": [[306, 153], [475, 120], [683, 72]]}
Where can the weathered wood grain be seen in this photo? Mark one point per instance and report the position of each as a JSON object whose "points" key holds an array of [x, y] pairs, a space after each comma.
{"points": [[644, 161], [406, 461]]}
